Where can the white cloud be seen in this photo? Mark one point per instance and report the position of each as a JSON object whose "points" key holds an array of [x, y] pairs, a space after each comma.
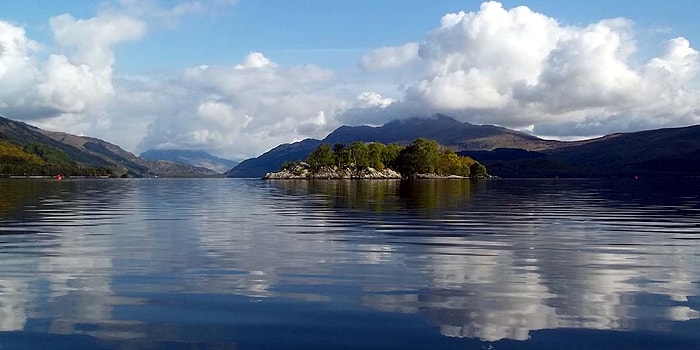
{"points": [[76, 80], [18, 70], [388, 58], [255, 60], [245, 109], [519, 68], [512, 67], [588, 68], [92, 40], [372, 100]]}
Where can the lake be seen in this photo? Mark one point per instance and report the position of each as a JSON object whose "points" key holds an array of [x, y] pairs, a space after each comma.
{"points": [[430, 264]]}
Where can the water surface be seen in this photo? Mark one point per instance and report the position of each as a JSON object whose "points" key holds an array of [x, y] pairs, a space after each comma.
{"points": [[250, 264]]}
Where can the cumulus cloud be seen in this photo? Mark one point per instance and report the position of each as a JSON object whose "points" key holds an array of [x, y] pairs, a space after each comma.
{"points": [[519, 68], [373, 100], [246, 108], [512, 67], [91, 40], [18, 70], [76, 79]]}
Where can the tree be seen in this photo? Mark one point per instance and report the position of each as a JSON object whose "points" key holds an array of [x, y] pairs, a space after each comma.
{"points": [[341, 154], [376, 155], [419, 157], [478, 170], [359, 154], [390, 158], [321, 156], [448, 163]]}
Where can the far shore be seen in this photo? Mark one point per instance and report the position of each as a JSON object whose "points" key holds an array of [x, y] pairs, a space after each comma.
{"points": [[54, 177]]}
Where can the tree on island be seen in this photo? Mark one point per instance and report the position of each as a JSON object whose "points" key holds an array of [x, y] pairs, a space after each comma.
{"points": [[422, 156], [321, 156]]}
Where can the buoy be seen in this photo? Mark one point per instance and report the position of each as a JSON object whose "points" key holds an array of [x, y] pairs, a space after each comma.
{"points": [[59, 177]]}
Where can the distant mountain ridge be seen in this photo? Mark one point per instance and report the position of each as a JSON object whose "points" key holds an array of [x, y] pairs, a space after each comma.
{"points": [[509, 153], [190, 157], [93, 152], [443, 129], [506, 153]]}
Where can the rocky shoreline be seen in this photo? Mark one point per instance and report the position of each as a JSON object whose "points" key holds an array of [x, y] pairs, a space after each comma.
{"points": [[303, 171]]}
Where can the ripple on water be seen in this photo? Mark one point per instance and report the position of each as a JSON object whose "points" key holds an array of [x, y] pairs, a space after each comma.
{"points": [[156, 259]]}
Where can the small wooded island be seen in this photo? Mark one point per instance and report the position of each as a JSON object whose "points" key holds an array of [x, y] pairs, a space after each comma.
{"points": [[421, 159]]}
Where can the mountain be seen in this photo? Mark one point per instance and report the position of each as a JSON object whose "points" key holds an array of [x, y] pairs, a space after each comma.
{"points": [[662, 152], [273, 159], [443, 129], [87, 152], [194, 158], [509, 153]]}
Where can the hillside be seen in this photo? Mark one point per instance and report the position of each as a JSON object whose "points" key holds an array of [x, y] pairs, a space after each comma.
{"points": [[194, 158], [78, 154], [663, 152], [272, 159]]}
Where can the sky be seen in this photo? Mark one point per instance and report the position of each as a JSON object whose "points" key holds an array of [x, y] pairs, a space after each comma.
{"points": [[238, 77]]}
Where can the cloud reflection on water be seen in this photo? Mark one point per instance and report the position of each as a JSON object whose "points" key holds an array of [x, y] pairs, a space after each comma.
{"points": [[488, 260], [537, 258]]}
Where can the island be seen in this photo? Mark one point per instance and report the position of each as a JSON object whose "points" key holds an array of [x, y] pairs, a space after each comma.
{"points": [[422, 158]]}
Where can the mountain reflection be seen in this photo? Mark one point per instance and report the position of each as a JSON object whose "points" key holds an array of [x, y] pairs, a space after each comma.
{"points": [[488, 259]]}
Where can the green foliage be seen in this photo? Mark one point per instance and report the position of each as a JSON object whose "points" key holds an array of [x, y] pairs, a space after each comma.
{"points": [[391, 156], [321, 156], [420, 157], [11, 154], [359, 154], [478, 170], [341, 154], [449, 163], [47, 153], [41, 160], [376, 155], [287, 165]]}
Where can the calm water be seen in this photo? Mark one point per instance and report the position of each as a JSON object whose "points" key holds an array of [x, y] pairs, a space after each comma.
{"points": [[249, 264]]}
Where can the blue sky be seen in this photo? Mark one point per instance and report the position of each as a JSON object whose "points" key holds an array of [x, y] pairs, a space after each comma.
{"points": [[332, 33], [238, 77]]}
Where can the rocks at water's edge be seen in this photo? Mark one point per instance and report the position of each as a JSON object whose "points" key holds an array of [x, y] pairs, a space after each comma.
{"points": [[302, 170]]}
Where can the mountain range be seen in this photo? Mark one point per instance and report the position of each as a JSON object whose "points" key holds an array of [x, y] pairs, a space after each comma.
{"points": [[195, 158], [91, 152], [509, 153], [505, 152]]}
